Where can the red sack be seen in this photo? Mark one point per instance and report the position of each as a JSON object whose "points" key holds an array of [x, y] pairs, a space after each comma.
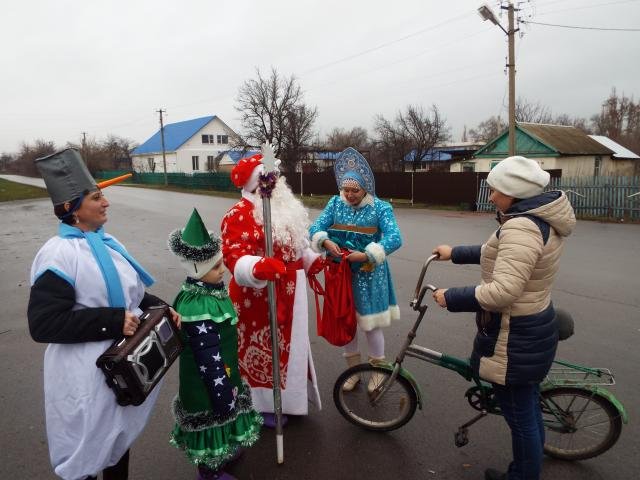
{"points": [[337, 322]]}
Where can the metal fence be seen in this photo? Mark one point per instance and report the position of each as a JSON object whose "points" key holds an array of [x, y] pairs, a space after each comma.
{"points": [[219, 181], [591, 197]]}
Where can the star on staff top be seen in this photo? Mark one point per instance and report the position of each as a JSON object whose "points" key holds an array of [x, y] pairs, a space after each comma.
{"points": [[268, 158]]}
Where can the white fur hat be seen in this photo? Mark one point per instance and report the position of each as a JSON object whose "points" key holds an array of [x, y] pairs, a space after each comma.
{"points": [[518, 177]]}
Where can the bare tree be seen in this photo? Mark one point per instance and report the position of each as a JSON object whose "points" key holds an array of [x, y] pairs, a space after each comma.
{"points": [[5, 161], [390, 146], [339, 138], [24, 160], [619, 120], [297, 134], [579, 123], [424, 130], [414, 131], [272, 110], [487, 130], [530, 112]]}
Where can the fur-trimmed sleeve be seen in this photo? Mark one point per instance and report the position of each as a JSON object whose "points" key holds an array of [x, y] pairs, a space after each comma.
{"points": [[318, 230], [391, 237]]}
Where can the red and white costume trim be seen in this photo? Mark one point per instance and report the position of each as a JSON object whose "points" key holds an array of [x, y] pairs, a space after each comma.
{"points": [[242, 247]]}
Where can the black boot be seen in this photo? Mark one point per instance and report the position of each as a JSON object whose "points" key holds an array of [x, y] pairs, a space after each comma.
{"points": [[493, 474]]}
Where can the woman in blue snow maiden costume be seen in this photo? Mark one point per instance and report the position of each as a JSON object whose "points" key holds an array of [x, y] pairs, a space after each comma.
{"points": [[363, 224]]}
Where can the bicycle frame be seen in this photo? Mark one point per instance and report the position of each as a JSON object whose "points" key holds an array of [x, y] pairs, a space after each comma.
{"points": [[582, 418], [563, 374], [458, 365]]}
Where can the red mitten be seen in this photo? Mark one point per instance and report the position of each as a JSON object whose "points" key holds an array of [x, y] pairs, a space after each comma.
{"points": [[317, 266], [269, 268]]}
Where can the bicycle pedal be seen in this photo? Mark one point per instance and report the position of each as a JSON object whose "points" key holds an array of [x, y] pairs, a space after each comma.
{"points": [[461, 439]]}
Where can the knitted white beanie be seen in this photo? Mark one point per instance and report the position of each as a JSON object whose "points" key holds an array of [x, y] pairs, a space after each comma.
{"points": [[518, 177]]}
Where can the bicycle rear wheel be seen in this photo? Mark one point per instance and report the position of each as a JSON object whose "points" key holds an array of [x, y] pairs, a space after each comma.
{"points": [[579, 423], [392, 410]]}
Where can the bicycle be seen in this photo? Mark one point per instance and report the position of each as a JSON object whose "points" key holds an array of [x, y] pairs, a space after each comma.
{"points": [[582, 419]]}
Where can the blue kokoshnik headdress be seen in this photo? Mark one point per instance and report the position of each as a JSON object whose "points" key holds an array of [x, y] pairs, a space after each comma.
{"points": [[352, 165]]}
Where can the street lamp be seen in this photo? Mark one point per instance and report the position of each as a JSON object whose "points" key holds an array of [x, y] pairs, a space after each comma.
{"points": [[487, 14]]}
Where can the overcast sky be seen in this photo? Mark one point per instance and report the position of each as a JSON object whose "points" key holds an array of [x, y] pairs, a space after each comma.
{"points": [[105, 67]]}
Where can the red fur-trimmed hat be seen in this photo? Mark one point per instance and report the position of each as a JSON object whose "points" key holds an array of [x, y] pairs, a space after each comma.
{"points": [[244, 169]]}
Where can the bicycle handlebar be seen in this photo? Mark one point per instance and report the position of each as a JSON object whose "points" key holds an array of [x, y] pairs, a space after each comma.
{"points": [[416, 303]]}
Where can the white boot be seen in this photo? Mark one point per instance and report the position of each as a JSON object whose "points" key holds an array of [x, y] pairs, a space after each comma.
{"points": [[352, 359], [376, 378]]}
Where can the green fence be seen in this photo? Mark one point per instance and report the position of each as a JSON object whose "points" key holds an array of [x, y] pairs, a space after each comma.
{"points": [[591, 197], [205, 181]]}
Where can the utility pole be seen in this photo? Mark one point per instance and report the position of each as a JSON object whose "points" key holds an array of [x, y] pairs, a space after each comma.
{"points": [[84, 145], [164, 156], [485, 12], [512, 80]]}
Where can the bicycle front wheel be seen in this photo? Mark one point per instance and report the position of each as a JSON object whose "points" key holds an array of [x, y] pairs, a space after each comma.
{"points": [[391, 410], [579, 424]]}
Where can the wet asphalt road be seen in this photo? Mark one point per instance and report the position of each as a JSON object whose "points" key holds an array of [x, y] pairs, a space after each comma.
{"points": [[598, 282]]}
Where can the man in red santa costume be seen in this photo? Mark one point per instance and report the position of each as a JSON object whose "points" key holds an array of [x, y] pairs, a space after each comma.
{"points": [[243, 249]]}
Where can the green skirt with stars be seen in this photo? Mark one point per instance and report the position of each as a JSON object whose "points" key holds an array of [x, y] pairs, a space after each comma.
{"points": [[207, 437]]}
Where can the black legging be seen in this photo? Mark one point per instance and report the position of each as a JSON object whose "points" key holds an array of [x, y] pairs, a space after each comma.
{"points": [[119, 471]]}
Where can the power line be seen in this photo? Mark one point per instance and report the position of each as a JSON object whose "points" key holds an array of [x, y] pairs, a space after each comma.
{"points": [[572, 9], [383, 45], [584, 28]]}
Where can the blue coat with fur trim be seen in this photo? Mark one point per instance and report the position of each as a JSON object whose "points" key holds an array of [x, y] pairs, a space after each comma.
{"points": [[369, 227], [517, 334]]}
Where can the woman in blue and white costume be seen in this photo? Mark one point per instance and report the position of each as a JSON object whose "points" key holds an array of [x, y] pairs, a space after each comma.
{"points": [[86, 291], [359, 221]]}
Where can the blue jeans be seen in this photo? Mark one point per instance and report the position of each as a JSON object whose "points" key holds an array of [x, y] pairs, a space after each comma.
{"points": [[521, 409]]}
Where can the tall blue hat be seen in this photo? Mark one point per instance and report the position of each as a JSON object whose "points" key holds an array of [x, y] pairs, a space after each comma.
{"points": [[351, 164]]}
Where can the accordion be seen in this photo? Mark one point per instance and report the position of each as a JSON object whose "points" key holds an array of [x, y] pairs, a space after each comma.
{"points": [[134, 365]]}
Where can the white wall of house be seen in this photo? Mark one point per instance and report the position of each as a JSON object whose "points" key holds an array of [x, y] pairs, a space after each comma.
{"points": [[182, 160], [195, 147], [621, 167], [143, 163]]}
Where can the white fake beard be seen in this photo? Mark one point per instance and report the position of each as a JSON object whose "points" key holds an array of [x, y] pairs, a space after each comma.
{"points": [[289, 218]]}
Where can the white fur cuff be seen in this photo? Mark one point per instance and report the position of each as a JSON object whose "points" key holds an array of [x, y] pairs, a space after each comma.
{"points": [[316, 241], [308, 257], [243, 272], [375, 252]]}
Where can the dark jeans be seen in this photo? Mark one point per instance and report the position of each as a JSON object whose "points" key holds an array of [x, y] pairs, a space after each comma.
{"points": [[521, 409]]}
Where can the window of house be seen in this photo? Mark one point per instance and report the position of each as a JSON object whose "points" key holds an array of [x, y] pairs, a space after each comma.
{"points": [[151, 163], [207, 139], [469, 167], [195, 161], [597, 164], [210, 163], [223, 139]]}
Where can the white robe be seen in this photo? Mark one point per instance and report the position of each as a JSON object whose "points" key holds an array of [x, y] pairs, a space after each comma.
{"points": [[87, 430]]}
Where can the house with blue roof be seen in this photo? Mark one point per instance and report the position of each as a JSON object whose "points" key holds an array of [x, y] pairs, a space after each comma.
{"points": [[311, 161], [440, 157], [190, 146]]}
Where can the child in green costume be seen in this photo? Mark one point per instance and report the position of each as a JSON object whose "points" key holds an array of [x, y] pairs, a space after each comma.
{"points": [[214, 414]]}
